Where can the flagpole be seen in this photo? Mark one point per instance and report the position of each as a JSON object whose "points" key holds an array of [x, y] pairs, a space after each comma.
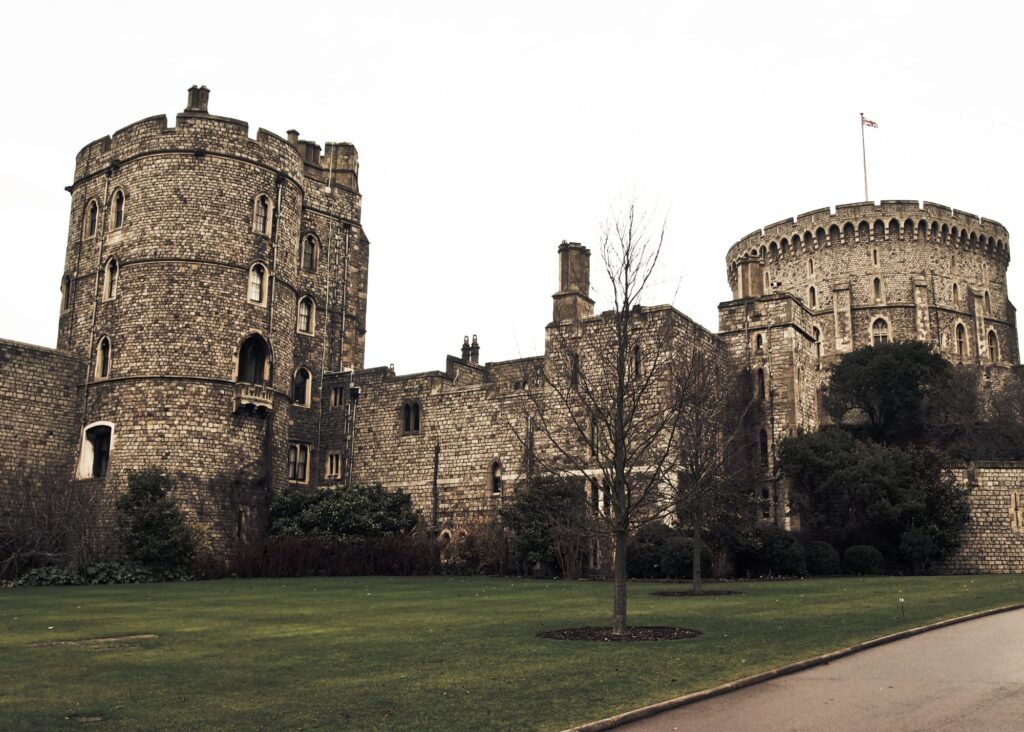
{"points": [[864, 154]]}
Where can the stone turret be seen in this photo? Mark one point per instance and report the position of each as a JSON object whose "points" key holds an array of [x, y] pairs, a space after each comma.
{"points": [[572, 301]]}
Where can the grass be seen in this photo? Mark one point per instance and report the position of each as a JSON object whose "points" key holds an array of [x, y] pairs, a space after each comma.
{"points": [[427, 653]]}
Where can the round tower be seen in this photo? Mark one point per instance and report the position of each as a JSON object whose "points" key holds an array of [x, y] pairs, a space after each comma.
{"points": [[211, 280], [899, 270]]}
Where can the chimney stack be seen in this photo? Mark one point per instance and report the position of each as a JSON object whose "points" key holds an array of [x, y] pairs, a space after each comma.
{"points": [[465, 348], [572, 301], [474, 352], [198, 100]]}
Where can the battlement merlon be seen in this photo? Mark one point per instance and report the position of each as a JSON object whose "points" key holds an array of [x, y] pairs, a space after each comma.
{"points": [[193, 132]]}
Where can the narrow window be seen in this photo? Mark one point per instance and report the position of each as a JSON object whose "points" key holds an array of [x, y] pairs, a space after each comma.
{"points": [[879, 332], [817, 343], [257, 280], [298, 462], [810, 266], [593, 437], [308, 258], [261, 215], [110, 279], [636, 362], [252, 360], [759, 343], [956, 294], [496, 477], [761, 391], [877, 287], [307, 315], [763, 448], [337, 396], [766, 503], [333, 465], [65, 293], [103, 358], [595, 495], [993, 346], [118, 209], [988, 304], [95, 455], [812, 297], [874, 257], [574, 369], [961, 340], [92, 215], [300, 387], [411, 418]]}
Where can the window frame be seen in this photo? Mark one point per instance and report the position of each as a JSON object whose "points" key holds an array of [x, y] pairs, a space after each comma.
{"points": [[310, 316], [86, 468], [307, 397], [111, 272], [299, 450], [264, 284], [314, 243], [495, 477], [266, 227], [91, 220], [876, 340], [333, 461], [65, 293], [103, 358], [411, 417], [118, 209]]}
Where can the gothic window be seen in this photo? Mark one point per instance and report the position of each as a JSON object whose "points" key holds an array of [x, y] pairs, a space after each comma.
{"points": [[961, 340], [817, 343], [301, 387], [874, 257], [761, 391], [763, 448], [307, 259], [495, 479], [110, 279], [261, 217], [411, 418], [876, 289], [65, 293], [92, 216], [988, 304], [993, 346], [306, 316], [95, 455], [956, 293], [879, 229], [810, 266], [812, 296], [117, 212], [257, 283], [102, 370], [879, 332], [253, 359], [298, 462]]}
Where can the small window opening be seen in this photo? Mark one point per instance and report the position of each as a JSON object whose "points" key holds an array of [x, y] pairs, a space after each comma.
{"points": [[961, 340], [812, 296], [118, 209], [306, 316], [333, 465], [763, 448], [880, 332], [993, 346], [257, 281], [874, 257], [637, 364], [411, 418], [298, 462], [300, 387], [817, 343], [262, 215], [65, 293], [810, 266], [95, 452], [91, 219], [252, 360], [110, 279], [956, 294], [309, 253], [103, 358], [574, 369], [759, 343], [496, 477], [988, 304], [761, 390], [877, 288]]}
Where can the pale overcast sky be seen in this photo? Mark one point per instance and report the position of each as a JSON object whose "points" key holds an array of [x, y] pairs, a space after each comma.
{"points": [[488, 133]]}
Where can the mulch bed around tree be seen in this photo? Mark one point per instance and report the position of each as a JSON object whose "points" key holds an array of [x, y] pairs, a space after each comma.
{"points": [[689, 593], [637, 633]]}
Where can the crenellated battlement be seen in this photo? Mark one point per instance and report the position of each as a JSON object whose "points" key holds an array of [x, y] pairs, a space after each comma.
{"points": [[867, 222], [197, 132]]}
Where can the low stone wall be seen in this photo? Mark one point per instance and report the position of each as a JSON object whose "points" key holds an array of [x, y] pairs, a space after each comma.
{"points": [[994, 539]]}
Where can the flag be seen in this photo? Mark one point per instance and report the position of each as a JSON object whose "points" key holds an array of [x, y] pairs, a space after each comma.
{"points": [[866, 122]]}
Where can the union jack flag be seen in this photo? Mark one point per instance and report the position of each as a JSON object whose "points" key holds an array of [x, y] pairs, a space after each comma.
{"points": [[866, 122]]}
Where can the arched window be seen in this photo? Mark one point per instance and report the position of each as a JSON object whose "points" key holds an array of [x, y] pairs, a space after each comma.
{"points": [[574, 369], [833, 233], [876, 289], [110, 279], [637, 363], [879, 229], [874, 257], [879, 332], [307, 258], [253, 360], [810, 265], [261, 216], [922, 230], [988, 304], [761, 391], [65, 293], [993, 346], [495, 479], [306, 321], [961, 340], [894, 228], [257, 283], [759, 343], [908, 229], [117, 210], [817, 342], [410, 418], [301, 387], [92, 217], [102, 370], [763, 448], [956, 294], [812, 296], [95, 455], [848, 233], [820, 235]]}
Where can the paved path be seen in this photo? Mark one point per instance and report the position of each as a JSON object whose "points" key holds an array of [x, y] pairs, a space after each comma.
{"points": [[968, 676]]}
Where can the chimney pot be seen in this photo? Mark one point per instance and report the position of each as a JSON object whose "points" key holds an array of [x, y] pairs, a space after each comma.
{"points": [[198, 100]]}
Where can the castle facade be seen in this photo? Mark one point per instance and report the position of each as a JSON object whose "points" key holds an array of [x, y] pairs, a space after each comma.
{"points": [[213, 304]]}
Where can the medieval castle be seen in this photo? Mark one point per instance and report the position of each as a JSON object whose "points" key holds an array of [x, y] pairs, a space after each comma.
{"points": [[212, 314]]}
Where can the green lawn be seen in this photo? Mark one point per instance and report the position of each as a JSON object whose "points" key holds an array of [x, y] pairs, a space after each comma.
{"points": [[397, 653]]}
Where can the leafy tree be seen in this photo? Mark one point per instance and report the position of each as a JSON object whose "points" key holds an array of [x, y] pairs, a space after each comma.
{"points": [[151, 529], [548, 519], [341, 513], [888, 384]]}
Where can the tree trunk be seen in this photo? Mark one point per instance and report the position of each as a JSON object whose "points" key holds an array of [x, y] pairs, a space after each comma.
{"points": [[697, 547], [619, 600]]}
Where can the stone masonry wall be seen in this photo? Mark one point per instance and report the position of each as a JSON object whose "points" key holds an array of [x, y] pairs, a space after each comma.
{"points": [[994, 539]]}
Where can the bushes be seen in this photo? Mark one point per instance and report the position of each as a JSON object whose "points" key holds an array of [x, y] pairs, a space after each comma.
{"points": [[346, 512], [863, 559], [293, 556], [771, 551], [549, 524], [822, 559], [677, 558], [643, 559], [97, 573], [151, 528]]}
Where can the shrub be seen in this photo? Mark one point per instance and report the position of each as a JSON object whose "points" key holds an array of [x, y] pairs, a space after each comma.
{"points": [[643, 558], [151, 528], [480, 548], [863, 559], [771, 551], [342, 513], [97, 573], [49, 577], [548, 521], [677, 558], [293, 556], [919, 547], [822, 559]]}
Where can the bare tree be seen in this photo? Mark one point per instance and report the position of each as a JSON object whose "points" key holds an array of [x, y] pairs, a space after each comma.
{"points": [[717, 464], [606, 412]]}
